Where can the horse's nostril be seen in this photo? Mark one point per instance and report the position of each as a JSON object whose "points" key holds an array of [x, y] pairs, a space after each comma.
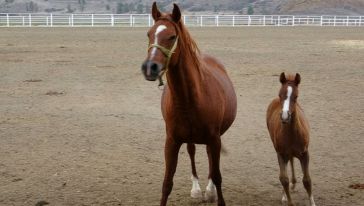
{"points": [[154, 67]]}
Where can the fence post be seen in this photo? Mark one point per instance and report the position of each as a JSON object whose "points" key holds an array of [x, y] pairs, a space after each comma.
{"points": [[72, 19], [264, 20], [112, 20], [201, 24], [30, 20], [149, 17], [279, 20], [293, 19], [51, 20], [131, 20], [184, 19], [23, 20], [321, 21], [92, 20], [217, 20], [347, 20], [7, 20]]}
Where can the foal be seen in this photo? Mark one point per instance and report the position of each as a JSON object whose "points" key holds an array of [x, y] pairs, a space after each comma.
{"points": [[289, 131]]}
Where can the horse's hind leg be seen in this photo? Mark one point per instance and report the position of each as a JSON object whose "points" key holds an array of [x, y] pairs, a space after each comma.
{"points": [[196, 190], [294, 180], [306, 177], [214, 150], [210, 194], [283, 177], [171, 157]]}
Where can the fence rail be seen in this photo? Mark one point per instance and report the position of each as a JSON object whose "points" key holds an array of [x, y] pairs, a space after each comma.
{"points": [[145, 20]]}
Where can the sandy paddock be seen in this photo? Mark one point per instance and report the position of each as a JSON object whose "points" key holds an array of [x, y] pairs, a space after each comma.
{"points": [[79, 125]]}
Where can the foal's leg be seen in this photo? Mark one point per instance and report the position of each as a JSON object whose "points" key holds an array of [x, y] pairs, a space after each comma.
{"points": [[294, 180], [196, 190], [306, 177], [283, 177], [171, 158], [215, 148]]}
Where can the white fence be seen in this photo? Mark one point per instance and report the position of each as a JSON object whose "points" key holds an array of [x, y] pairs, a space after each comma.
{"points": [[145, 20]]}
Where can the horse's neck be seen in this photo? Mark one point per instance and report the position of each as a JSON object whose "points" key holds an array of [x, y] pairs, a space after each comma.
{"points": [[184, 81], [298, 124]]}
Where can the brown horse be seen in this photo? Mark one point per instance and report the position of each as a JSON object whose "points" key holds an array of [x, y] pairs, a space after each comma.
{"points": [[289, 131], [198, 101]]}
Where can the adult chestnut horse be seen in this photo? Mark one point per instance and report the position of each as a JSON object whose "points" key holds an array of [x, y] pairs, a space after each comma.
{"points": [[289, 131], [198, 101]]}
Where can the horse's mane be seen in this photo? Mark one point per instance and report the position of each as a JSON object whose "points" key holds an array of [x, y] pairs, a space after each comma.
{"points": [[188, 47]]}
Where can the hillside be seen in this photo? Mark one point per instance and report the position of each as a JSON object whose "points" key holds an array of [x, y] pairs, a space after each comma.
{"points": [[334, 7]]}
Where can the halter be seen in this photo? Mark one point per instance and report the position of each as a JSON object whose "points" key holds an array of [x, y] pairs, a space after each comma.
{"points": [[168, 53]]}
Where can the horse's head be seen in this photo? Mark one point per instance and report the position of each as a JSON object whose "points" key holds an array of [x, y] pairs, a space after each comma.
{"points": [[163, 43], [288, 95]]}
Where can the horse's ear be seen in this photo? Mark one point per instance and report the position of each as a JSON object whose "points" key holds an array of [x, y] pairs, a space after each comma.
{"points": [[176, 14], [297, 79], [282, 78], [155, 12]]}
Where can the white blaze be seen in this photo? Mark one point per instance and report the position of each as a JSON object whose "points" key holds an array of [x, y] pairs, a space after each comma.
{"points": [[286, 103], [159, 29]]}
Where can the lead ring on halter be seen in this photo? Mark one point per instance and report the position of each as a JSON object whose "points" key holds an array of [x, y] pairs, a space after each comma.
{"points": [[168, 53]]}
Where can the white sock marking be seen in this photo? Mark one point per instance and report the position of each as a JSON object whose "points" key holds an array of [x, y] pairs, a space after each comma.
{"points": [[196, 190], [159, 29], [286, 103], [210, 195], [312, 202]]}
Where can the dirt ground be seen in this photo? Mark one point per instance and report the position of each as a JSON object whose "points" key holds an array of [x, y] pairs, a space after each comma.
{"points": [[80, 126]]}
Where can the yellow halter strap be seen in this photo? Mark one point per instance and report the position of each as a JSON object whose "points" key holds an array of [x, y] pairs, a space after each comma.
{"points": [[168, 53]]}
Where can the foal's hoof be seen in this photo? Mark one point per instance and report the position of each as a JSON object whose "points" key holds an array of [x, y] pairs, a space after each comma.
{"points": [[196, 193], [211, 195], [284, 198], [293, 186]]}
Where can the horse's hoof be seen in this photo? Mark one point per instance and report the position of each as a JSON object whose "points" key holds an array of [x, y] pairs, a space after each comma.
{"points": [[196, 193], [211, 195], [284, 198]]}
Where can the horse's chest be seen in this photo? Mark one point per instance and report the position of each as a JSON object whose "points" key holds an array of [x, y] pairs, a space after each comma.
{"points": [[291, 145], [190, 129]]}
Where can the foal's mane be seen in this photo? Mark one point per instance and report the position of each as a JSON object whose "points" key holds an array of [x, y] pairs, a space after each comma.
{"points": [[290, 78], [188, 47]]}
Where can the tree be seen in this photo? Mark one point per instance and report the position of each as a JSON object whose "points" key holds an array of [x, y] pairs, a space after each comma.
{"points": [[250, 10], [82, 4], [140, 8]]}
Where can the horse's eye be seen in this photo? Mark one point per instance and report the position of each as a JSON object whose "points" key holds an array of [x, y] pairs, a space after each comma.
{"points": [[172, 37]]}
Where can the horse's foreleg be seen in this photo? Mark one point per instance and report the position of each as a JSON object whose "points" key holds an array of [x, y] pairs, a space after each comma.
{"points": [[214, 150], [306, 177], [171, 158], [294, 180], [283, 177], [196, 190]]}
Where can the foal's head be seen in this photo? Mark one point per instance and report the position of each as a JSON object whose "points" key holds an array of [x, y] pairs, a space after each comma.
{"points": [[163, 48], [288, 95]]}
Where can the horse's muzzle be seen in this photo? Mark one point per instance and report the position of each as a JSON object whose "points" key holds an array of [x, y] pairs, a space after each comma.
{"points": [[286, 118], [151, 70]]}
